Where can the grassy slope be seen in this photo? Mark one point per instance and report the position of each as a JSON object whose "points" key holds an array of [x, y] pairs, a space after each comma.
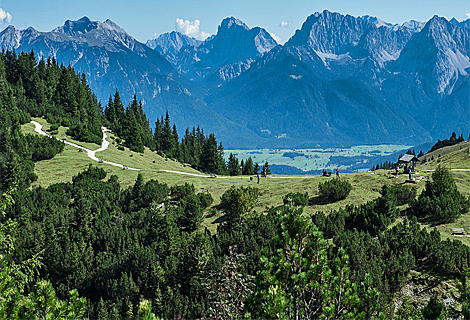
{"points": [[366, 187]]}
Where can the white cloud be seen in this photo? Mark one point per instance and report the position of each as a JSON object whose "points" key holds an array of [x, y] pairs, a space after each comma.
{"points": [[191, 29], [5, 16], [284, 24], [276, 37], [467, 14]]}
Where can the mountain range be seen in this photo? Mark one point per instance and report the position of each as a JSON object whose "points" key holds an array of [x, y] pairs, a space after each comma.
{"points": [[339, 81]]}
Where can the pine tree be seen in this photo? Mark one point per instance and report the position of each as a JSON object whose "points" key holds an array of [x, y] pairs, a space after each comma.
{"points": [[177, 149], [296, 282], [248, 168], [233, 167], [256, 168], [132, 132], [157, 135], [210, 156], [221, 162], [266, 169], [168, 141]]}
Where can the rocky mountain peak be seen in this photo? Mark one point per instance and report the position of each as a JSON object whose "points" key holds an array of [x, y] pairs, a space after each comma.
{"points": [[232, 22], [78, 27]]}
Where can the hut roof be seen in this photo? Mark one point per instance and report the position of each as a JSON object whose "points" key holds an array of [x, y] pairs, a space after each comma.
{"points": [[408, 158]]}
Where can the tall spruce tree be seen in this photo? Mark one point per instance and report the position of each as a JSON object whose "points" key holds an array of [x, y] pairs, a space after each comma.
{"points": [[248, 167], [233, 166]]}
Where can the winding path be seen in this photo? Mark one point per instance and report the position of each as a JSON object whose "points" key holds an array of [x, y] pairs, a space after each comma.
{"points": [[91, 153], [105, 145]]}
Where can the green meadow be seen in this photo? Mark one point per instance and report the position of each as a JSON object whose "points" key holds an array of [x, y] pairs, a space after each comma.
{"points": [[314, 159]]}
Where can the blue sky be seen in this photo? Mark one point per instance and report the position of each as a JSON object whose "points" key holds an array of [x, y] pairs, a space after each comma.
{"points": [[200, 18]]}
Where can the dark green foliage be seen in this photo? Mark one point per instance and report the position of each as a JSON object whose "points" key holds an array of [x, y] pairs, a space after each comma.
{"points": [[400, 194], [296, 198], [433, 309], [131, 123], [372, 217], [265, 170], [296, 281], [43, 147], [90, 173], [210, 157], [115, 246], [256, 168], [233, 165], [238, 202], [447, 142], [248, 167], [334, 190], [195, 148], [205, 199], [440, 199], [180, 191]]}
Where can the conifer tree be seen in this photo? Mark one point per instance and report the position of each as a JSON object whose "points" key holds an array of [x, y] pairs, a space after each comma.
{"points": [[210, 156], [233, 167], [266, 168], [296, 281], [168, 141], [248, 167], [256, 168], [157, 135]]}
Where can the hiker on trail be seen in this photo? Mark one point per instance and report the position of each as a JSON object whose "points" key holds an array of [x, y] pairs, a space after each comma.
{"points": [[410, 172], [337, 173], [397, 170], [258, 177], [265, 173]]}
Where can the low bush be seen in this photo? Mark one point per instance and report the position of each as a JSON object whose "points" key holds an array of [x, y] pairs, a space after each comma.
{"points": [[43, 148], [297, 198], [238, 202], [440, 199], [400, 194], [180, 191], [205, 199], [334, 190], [121, 148], [54, 127]]}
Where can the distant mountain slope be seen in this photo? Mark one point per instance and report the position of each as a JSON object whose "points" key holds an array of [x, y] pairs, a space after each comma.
{"points": [[223, 56], [284, 99], [439, 54], [169, 44], [339, 81], [112, 59]]}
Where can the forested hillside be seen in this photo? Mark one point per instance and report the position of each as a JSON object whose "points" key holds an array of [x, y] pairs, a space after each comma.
{"points": [[89, 248]]}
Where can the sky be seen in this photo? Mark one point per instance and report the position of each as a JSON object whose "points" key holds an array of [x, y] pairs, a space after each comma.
{"points": [[145, 19]]}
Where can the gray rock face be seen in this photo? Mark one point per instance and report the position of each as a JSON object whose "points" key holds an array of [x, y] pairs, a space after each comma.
{"points": [[339, 81]]}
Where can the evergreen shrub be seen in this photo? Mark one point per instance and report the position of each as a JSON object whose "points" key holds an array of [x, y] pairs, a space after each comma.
{"points": [[297, 198], [440, 199], [334, 190], [205, 199]]}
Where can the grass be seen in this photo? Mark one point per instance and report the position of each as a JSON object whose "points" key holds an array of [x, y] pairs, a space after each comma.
{"points": [[452, 157], [366, 185]]}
